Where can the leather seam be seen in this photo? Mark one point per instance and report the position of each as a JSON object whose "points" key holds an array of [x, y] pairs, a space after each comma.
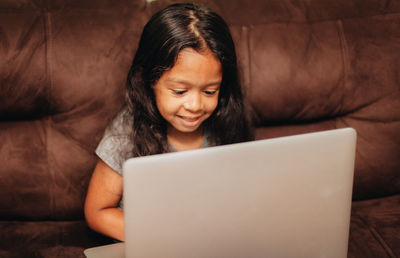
{"points": [[378, 238]]}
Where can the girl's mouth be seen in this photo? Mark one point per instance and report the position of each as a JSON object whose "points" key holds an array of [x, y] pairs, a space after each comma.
{"points": [[190, 121]]}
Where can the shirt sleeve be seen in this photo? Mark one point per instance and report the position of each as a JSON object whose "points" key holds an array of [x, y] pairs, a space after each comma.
{"points": [[116, 146]]}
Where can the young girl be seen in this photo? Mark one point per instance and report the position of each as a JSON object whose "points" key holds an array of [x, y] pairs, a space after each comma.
{"points": [[183, 93]]}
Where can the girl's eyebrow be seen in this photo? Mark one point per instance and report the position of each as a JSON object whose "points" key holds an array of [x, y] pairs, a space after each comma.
{"points": [[188, 83]]}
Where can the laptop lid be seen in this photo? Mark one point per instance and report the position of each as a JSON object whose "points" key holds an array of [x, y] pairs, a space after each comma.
{"points": [[283, 197]]}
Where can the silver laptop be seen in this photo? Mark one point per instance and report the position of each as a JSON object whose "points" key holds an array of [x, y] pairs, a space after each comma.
{"points": [[282, 197]]}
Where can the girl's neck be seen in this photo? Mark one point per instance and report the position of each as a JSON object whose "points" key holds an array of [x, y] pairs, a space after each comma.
{"points": [[185, 141]]}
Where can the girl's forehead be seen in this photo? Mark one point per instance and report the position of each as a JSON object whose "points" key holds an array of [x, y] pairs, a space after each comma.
{"points": [[190, 52], [192, 62], [194, 68]]}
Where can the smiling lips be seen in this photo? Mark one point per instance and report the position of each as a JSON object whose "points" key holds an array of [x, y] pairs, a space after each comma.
{"points": [[190, 121]]}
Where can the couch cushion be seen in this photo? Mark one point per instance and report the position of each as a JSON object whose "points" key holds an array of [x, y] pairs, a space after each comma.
{"points": [[62, 75], [310, 76], [47, 239], [375, 227]]}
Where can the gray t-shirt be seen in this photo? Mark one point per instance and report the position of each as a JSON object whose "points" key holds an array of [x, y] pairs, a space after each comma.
{"points": [[116, 145]]}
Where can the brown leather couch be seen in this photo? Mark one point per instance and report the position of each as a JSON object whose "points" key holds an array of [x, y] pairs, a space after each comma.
{"points": [[307, 65]]}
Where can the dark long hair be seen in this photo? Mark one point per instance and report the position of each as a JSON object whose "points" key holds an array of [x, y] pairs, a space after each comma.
{"points": [[167, 33]]}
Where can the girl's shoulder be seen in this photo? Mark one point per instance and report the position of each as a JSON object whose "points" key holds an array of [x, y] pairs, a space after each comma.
{"points": [[121, 124], [116, 145]]}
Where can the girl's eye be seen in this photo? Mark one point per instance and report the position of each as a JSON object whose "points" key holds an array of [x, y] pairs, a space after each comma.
{"points": [[178, 92], [210, 92]]}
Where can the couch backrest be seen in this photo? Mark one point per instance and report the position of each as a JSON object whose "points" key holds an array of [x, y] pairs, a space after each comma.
{"points": [[305, 65], [63, 67], [317, 65]]}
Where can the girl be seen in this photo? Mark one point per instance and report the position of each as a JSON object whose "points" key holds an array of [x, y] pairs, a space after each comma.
{"points": [[183, 93]]}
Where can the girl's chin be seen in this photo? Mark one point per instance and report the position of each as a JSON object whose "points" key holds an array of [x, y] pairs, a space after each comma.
{"points": [[185, 129]]}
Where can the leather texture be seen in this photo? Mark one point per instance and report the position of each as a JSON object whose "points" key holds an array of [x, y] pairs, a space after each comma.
{"points": [[305, 66]]}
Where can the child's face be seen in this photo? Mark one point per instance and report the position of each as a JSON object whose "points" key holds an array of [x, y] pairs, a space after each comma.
{"points": [[187, 94]]}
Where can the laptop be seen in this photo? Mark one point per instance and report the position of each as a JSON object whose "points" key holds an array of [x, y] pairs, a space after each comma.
{"points": [[281, 197]]}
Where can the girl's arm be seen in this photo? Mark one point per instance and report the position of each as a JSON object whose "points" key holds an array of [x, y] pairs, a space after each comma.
{"points": [[104, 193]]}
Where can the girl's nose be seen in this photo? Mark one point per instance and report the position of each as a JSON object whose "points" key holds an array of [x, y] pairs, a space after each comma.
{"points": [[193, 103]]}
